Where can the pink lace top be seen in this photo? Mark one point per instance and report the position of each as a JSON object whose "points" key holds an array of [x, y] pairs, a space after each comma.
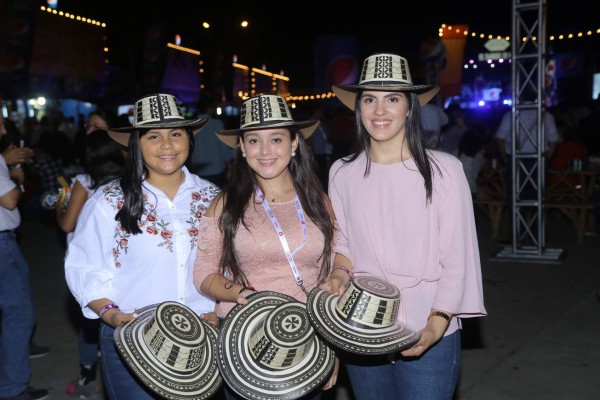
{"points": [[260, 253]]}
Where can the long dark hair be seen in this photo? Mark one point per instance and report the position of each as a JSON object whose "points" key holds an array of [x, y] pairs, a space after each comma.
{"points": [[417, 142], [104, 159], [239, 194], [131, 182]]}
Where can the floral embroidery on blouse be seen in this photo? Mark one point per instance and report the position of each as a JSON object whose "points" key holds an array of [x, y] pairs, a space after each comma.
{"points": [[152, 224]]}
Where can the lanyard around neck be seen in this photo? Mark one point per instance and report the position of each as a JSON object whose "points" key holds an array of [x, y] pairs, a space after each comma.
{"points": [[286, 248]]}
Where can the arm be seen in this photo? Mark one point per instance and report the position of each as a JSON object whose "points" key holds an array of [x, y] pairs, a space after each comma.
{"points": [[67, 218], [10, 199], [208, 279]]}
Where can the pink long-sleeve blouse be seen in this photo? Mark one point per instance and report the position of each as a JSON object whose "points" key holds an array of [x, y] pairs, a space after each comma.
{"points": [[428, 250]]}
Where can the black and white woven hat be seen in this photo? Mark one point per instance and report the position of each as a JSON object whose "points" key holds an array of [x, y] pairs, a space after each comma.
{"points": [[171, 350], [363, 319], [388, 73], [265, 112], [156, 111], [267, 349]]}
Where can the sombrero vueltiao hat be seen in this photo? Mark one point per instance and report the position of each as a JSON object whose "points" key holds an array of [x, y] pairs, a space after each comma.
{"points": [[363, 319], [388, 73], [267, 349], [156, 111], [265, 112], [171, 351]]}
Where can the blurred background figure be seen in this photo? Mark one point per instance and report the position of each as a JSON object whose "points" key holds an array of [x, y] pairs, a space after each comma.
{"points": [[16, 302], [433, 119], [210, 158], [454, 130], [103, 161], [321, 146]]}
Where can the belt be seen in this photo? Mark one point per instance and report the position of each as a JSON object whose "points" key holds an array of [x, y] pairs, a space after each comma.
{"points": [[9, 231]]}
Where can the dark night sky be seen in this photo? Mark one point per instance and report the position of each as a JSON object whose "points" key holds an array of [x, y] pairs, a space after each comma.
{"points": [[286, 41]]}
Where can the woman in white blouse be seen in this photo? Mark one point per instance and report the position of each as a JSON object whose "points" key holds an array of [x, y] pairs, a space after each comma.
{"points": [[135, 240]]}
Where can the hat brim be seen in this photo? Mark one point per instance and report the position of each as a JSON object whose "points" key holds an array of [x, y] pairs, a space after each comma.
{"points": [[347, 93], [321, 309], [169, 384], [121, 135], [251, 380], [230, 136]]}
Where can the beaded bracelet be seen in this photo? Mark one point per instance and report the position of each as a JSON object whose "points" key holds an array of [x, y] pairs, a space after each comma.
{"points": [[346, 270], [107, 307], [439, 314]]}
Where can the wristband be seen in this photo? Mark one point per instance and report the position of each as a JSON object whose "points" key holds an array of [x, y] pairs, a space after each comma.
{"points": [[107, 307], [440, 314], [346, 270]]}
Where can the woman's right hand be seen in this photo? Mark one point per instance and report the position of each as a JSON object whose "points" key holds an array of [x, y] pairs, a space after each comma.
{"points": [[334, 285], [116, 317], [242, 296]]}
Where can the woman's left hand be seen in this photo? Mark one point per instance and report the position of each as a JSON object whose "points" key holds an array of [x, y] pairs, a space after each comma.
{"points": [[430, 335], [334, 374]]}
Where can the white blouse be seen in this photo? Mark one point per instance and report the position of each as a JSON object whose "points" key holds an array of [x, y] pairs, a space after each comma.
{"points": [[104, 261]]}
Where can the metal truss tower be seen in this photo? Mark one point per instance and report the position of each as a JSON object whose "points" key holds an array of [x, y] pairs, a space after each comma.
{"points": [[528, 168]]}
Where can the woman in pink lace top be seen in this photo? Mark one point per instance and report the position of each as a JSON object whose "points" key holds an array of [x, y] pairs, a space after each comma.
{"points": [[272, 227]]}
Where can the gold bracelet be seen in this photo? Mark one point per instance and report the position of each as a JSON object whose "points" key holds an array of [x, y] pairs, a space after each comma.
{"points": [[439, 314]]}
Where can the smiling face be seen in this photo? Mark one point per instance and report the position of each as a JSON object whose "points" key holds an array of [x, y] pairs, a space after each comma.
{"points": [[164, 151], [268, 151], [384, 115]]}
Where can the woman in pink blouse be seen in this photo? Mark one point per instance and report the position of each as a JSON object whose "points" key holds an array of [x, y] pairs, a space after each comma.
{"points": [[405, 214], [272, 227]]}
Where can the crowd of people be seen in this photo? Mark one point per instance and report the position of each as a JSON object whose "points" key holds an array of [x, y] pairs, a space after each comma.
{"points": [[173, 208]]}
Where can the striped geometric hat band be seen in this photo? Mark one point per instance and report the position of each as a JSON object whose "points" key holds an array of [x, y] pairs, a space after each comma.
{"points": [[263, 110], [385, 68]]}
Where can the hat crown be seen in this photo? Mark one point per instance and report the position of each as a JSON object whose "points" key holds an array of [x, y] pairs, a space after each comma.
{"points": [[157, 109], [264, 110], [369, 302], [283, 338], [383, 67], [176, 337]]}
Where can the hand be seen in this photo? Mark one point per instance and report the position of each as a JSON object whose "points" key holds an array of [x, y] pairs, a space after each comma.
{"points": [[115, 317], [210, 317], [17, 155], [242, 296], [334, 374], [430, 335], [334, 285]]}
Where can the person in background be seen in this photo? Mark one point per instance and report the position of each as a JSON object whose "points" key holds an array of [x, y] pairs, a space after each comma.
{"points": [[135, 239], [100, 118], [321, 146], [104, 160], [453, 132], [273, 198], [526, 143], [433, 119], [210, 158], [405, 214], [17, 310], [471, 153]]}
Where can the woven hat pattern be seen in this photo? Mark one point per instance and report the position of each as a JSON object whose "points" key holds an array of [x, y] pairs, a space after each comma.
{"points": [[385, 67], [157, 108], [267, 349], [265, 112], [171, 351], [384, 72], [363, 319], [264, 109]]}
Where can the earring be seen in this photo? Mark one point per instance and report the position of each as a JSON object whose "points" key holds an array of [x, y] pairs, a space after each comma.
{"points": [[293, 154], [244, 155]]}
